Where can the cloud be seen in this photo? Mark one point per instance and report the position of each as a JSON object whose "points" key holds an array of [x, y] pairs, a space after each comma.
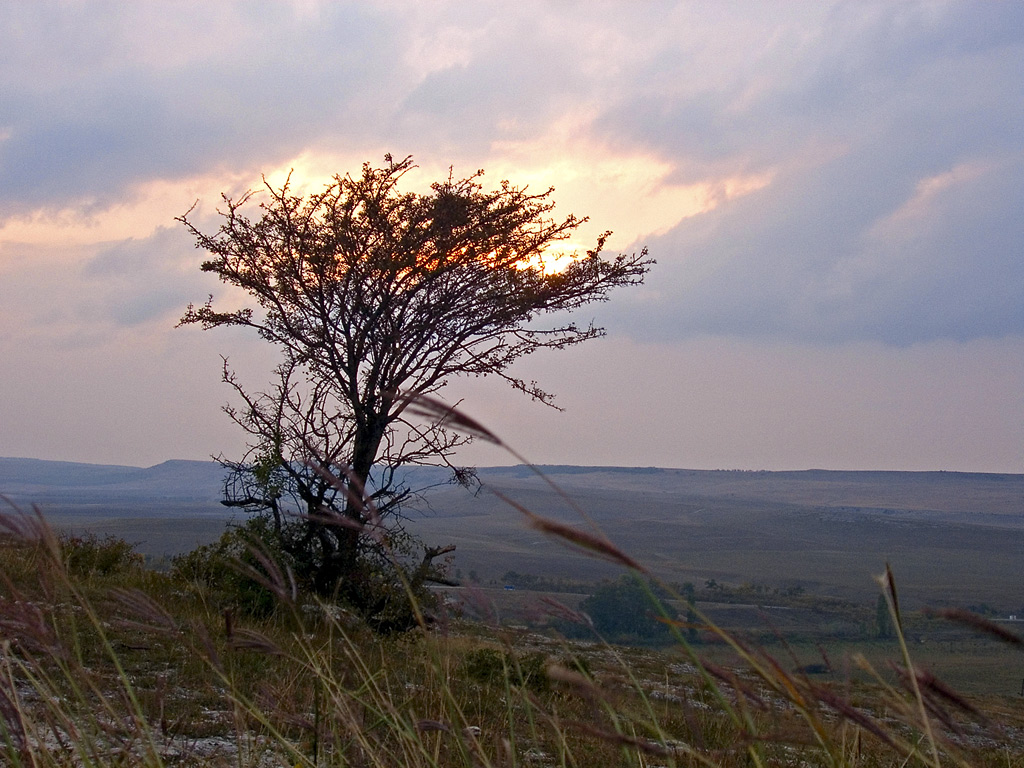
{"points": [[517, 74], [832, 191], [137, 281], [148, 92], [824, 256], [86, 296], [898, 177], [842, 114]]}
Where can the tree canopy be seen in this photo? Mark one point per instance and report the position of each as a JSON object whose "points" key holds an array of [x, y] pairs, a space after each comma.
{"points": [[375, 297], [624, 611]]}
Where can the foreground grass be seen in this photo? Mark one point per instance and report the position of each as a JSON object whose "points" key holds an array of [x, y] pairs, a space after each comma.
{"points": [[106, 663]]}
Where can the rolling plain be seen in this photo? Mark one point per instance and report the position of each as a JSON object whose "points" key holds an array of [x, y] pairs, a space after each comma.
{"points": [[951, 538], [781, 557]]}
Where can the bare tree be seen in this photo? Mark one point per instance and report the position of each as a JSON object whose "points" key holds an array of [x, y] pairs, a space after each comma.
{"points": [[374, 296]]}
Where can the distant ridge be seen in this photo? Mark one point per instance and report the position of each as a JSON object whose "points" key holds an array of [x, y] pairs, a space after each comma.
{"points": [[56, 473], [63, 484], [576, 469], [38, 480], [732, 525], [17, 473]]}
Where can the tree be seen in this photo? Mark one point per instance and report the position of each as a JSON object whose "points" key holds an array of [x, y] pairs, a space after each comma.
{"points": [[623, 611], [375, 297]]}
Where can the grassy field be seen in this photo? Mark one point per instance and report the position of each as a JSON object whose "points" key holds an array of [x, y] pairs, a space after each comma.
{"points": [[108, 663], [956, 538], [812, 632], [127, 666], [948, 550]]}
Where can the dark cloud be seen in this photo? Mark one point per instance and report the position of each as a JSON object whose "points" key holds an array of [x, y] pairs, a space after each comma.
{"points": [[828, 256], [105, 96], [949, 80], [894, 211], [276, 83], [519, 79], [851, 108]]}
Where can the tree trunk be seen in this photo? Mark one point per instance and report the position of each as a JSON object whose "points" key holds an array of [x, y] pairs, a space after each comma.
{"points": [[340, 572]]}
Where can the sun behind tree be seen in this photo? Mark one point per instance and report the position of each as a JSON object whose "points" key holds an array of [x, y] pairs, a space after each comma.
{"points": [[374, 296]]}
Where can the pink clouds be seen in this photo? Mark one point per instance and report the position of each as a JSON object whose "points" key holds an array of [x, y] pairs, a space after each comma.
{"points": [[827, 187]]}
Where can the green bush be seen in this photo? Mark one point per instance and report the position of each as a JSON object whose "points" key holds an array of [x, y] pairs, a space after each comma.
{"points": [[493, 667], [88, 555], [234, 569], [251, 569], [623, 611]]}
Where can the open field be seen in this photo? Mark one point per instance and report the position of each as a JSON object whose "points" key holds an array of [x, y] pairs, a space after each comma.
{"points": [[952, 538], [782, 567], [137, 668], [815, 633]]}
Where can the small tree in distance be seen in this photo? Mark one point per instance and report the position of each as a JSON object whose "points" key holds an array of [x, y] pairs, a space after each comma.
{"points": [[623, 611], [374, 296]]}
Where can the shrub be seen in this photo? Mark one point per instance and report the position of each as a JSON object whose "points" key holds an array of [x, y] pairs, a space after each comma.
{"points": [[624, 611], [493, 667], [88, 555], [234, 569]]}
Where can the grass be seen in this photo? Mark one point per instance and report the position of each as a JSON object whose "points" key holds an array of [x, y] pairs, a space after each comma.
{"points": [[105, 662]]}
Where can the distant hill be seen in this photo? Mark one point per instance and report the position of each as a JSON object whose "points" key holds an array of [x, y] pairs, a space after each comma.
{"points": [[968, 493], [62, 487], [949, 535], [34, 480]]}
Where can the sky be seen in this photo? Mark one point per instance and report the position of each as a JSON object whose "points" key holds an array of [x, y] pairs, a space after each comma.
{"points": [[833, 193]]}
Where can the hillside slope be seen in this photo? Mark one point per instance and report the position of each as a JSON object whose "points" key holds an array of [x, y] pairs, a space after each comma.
{"points": [[950, 536]]}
